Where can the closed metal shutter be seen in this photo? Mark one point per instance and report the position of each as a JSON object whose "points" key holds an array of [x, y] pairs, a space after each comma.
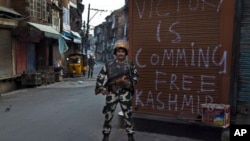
{"points": [[6, 68], [244, 69], [21, 57], [176, 46], [31, 58]]}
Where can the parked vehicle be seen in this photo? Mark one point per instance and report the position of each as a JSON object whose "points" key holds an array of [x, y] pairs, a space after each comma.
{"points": [[77, 64]]}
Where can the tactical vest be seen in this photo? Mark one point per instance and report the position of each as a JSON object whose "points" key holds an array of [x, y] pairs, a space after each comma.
{"points": [[115, 69]]}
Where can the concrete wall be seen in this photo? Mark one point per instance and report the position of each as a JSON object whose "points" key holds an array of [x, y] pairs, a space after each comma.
{"points": [[8, 85]]}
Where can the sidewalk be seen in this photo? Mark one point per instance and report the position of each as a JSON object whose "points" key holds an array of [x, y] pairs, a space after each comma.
{"points": [[75, 82]]}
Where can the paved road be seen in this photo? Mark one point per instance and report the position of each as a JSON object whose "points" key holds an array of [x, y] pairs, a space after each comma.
{"points": [[63, 111]]}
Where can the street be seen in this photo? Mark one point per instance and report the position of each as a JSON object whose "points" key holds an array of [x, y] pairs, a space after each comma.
{"points": [[63, 111]]}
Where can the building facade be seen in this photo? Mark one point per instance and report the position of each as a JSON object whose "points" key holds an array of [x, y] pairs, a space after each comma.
{"points": [[8, 23], [115, 27], [36, 35]]}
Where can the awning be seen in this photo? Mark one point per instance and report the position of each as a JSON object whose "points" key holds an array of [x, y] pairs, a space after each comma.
{"points": [[67, 34], [49, 31], [77, 40], [77, 37], [66, 38], [63, 47], [10, 11], [76, 34]]}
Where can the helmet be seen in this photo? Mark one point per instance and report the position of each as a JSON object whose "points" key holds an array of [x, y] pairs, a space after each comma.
{"points": [[121, 44]]}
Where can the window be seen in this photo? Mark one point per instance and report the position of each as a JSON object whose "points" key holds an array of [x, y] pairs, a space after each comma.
{"points": [[44, 10], [66, 23], [55, 20], [32, 8], [38, 8]]}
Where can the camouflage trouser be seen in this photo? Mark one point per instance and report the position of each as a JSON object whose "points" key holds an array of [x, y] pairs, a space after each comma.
{"points": [[112, 99]]}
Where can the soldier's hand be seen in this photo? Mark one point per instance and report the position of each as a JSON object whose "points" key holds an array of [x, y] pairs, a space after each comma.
{"points": [[125, 80], [104, 91], [97, 91], [122, 80]]}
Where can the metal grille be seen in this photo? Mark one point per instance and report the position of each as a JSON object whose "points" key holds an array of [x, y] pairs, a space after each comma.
{"points": [[31, 58], [244, 78], [21, 57], [5, 53], [176, 46]]}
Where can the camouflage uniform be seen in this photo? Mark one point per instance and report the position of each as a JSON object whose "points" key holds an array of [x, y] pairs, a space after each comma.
{"points": [[117, 92]]}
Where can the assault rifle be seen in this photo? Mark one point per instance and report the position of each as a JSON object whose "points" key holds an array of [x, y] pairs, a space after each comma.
{"points": [[116, 80]]}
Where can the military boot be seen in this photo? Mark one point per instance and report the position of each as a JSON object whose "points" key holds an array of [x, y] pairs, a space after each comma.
{"points": [[105, 137], [131, 137]]}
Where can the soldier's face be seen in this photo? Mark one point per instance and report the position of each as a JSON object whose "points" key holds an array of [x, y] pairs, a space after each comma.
{"points": [[120, 54]]}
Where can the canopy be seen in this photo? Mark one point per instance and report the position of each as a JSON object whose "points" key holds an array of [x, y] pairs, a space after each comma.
{"points": [[77, 37], [49, 31], [10, 11]]}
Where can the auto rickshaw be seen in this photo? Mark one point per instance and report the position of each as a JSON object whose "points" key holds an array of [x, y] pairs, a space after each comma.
{"points": [[77, 64]]}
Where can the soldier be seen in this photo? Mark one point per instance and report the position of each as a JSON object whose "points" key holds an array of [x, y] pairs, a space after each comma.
{"points": [[119, 88], [91, 63]]}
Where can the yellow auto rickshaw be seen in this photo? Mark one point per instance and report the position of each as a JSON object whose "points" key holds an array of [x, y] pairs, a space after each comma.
{"points": [[77, 64]]}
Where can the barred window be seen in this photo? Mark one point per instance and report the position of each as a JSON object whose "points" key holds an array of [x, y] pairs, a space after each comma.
{"points": [[55, 20], [38, 8], [66, 23], [44, 10], [32, 8]]}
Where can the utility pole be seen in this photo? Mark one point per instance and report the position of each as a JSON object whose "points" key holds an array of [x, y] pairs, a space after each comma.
{"points": [[83, 34], [87, 31], [88, 20]]}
